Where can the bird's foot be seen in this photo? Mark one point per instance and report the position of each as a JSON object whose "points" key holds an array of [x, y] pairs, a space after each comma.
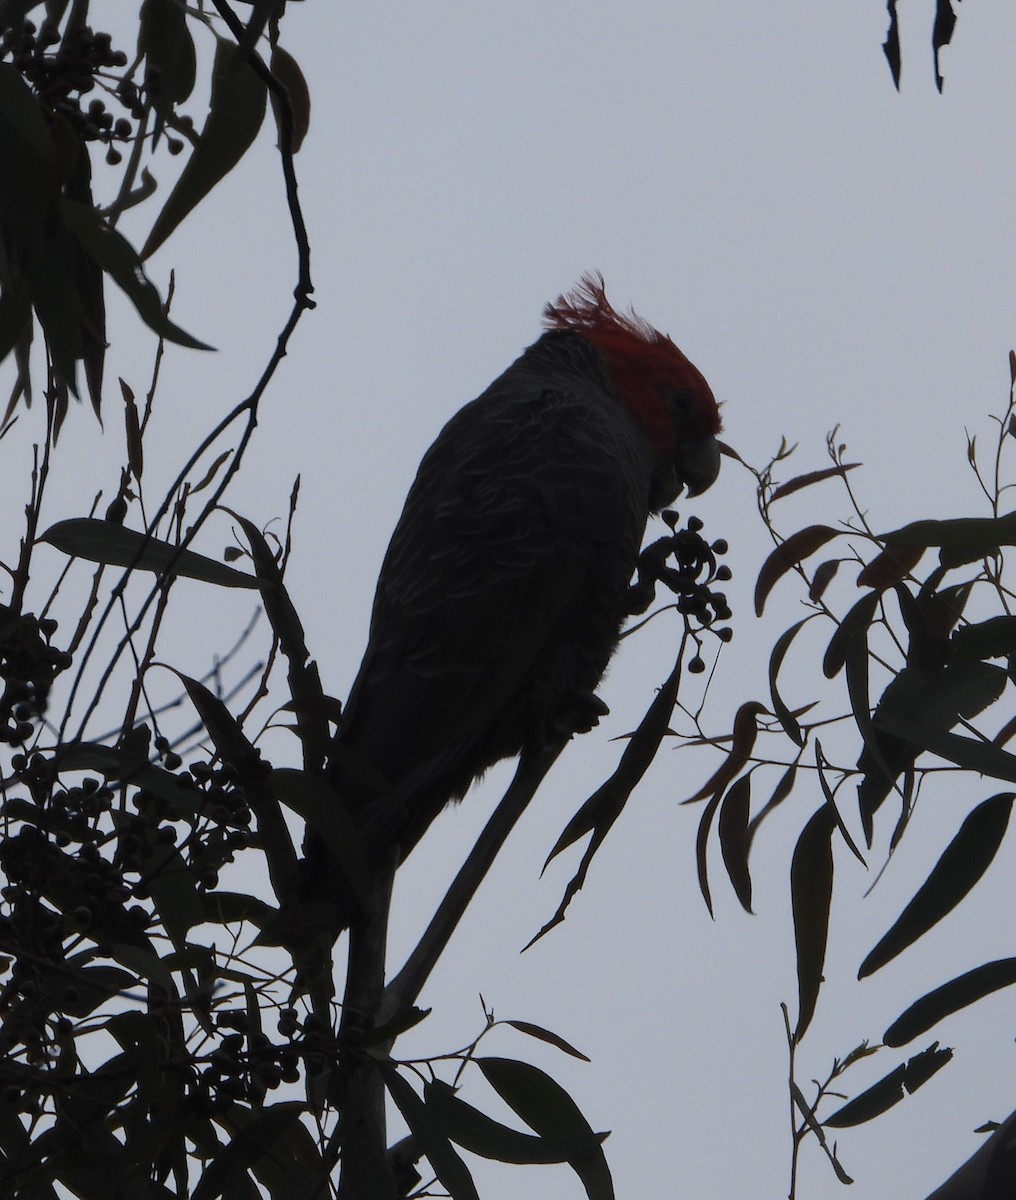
{"points": [[583, 714]]}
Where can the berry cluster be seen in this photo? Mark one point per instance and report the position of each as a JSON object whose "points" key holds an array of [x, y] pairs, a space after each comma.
{"points": [[28, 666], [689, 576], [246, 1064], [63, 68], [214, 829], [74, 866]]}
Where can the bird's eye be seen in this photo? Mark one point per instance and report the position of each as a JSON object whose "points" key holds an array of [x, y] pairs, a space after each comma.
{"points": [[682, 403]]}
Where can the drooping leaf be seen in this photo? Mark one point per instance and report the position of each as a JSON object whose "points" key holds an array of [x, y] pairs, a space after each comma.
{"points": [[599, 812], [942, 607], [782, 790], [303, 677], [742, 742], [174, 892], [813, 1123], [311, 797], [786, 718], [548, 1110], [821, 765], [928, 644], [255, 1136], [732, 829], [941, 34], [234, 747], [287, 71], [118, 258], [116, 546], [949, 998], [26, 151], [852, 629], [961, 865], [702, 849], [474, 1131], [236, 112], [164, 38], [890, 1090], [916, 712], [786, 556], [53, 279], [145, 964], [891, 45], [445, 1161], [811, 890], [15, 318]]}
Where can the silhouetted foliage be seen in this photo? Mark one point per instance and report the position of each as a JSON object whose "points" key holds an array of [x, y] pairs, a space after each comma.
{"points": [[169, 1027]]}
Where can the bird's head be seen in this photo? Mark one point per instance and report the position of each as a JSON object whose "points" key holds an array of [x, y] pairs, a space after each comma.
{"points": [[666, 393]]}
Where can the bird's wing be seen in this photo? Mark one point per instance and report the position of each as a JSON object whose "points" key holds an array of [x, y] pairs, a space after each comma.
{"points": [[526, 514]]}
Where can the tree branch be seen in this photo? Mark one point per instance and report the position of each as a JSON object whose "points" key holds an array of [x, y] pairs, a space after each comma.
{"points": [[407, 985]]}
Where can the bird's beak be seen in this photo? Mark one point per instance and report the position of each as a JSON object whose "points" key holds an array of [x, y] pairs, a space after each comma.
{"points": [[698, 464]]}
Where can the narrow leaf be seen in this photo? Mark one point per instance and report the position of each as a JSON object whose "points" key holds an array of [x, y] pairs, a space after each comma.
{"points": [[116, 546], [823, 576], [872, 1102], [891, 45], [853, 628], [949, 998], [702, 849], [164, 38], [287, 71], [786, 718], [236, 111], [960, 540], [118, 258], [923, 1066], [605, 805], [548, 1109], [313, 799], [916, 711], [803, 481], [742, 742], [811, 891], [889, 567], [983, 757], [135, 447], [304, 681], [821, 764], [961, 865], [732, 829], [780, 793], [26, 151], [442, 1156], [891, 1089], [546, 1035], [788, 555], [252, 1140], [479, 1134]]}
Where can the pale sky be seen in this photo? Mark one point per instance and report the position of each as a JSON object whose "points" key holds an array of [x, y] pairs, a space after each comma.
{"points": [[828, 252]]}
